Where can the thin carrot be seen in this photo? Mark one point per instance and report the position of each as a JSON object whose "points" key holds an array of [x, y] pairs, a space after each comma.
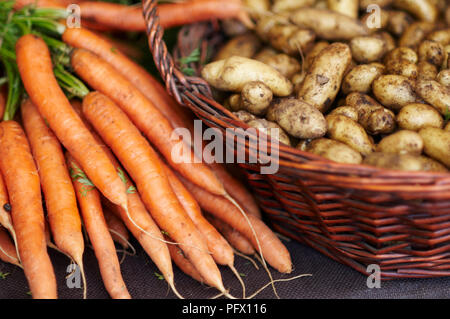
{"points": [[265, 241], [35, 67], [5, 212], [22, 182], [183, 263], [145, 116], [7, 250], [60, 198], [117, 228], [95, 224], [235, 238], [143, 165]]}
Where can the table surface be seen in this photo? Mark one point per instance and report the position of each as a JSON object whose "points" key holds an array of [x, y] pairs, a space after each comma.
{"points": [[329, 279]]}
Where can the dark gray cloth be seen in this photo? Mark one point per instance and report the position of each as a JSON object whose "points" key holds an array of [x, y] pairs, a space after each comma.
{"points": [[329, 280]]}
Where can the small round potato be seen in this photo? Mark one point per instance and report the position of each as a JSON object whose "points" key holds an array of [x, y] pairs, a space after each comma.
{"points": [[297, 118], [244, 116], [436, 144], [444, 78], [332, 150], [402, 67], [426, 71], [256, 97], [401, 142], [367, 49], [346, 110], [270, 128], [434, 94], [417, 116], [361, 77], [400, 54], [394, 91], [432, 52], [233, 102], [403, 162], [345, 130]]}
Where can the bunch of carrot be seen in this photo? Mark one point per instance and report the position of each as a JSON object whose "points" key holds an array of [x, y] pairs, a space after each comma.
{"points": [[103, 160]]}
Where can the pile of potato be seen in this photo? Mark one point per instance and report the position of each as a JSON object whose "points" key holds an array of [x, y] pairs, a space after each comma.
{"points": [[354, 81]]}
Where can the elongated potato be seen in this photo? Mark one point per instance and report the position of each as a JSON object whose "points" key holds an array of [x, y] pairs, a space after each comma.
{"points": [[415, 34], [437, 144], [416, 116], [297, 118], [245, 45], [394, 91], [322, 82], [283, 63], [332, 150], [375, 118], [366, 49], [233, 73], [345, 130], [401, 142], [328, 25], [403, 162], [346, 110], [347, 7], [361, 77], [315, 50], [423, 10], [434, 94], [270, 128]]}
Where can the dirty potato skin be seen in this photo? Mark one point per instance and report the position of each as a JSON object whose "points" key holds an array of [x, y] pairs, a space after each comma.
{"points": [[403, 162], [361, 77], [332, 150], [346, 110], [394, 91], [256, 97], [266, 127], [322, 82], [436, 144], [417, 116], [297, 118], [367, 49], [434, 94], [283, 63], [349, 132], [432, 52], [244, 116], [245, 45], [426, 71], [401, 142], [233, 73], [444, 78]]}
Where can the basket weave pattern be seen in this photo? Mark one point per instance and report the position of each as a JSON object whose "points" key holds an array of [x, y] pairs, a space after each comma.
{"points": [[355, 214]]}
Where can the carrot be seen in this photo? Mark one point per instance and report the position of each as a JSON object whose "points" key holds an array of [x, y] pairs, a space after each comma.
{"points": [[35, 67], [22, 182], [143, 165], [236, 240], [60, 198], [265, 241], [97, 229], [183, 263], [122, 17], [3, 99], [19, 4], [145, 116], [117, 228], [5, 209], [7, 250]]}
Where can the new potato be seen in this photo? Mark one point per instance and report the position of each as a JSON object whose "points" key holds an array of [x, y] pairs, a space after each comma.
{"points": [[394, 91], [332, 150], [416, 116], [401, 142], [436, 144], [403, 162]]}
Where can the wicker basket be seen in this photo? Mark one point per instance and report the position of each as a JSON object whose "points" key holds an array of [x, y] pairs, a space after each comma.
{"points": [[355, 214]]}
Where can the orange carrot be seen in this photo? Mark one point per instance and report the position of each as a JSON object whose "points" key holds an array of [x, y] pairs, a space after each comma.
{"points": [[117, 228], [22, 182], [235, 239], [5, 211], [265, 241], [7, 250], [19, 4], [35, 67], [97, 229], [3, 99], [143, 165], [145, 116], [60, 198], [183, 263]]}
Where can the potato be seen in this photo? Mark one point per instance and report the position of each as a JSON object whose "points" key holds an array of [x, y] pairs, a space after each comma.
{"points": [[349, 132], [233, 102], [446, 63], [417, 116], [328, 25], [297, 79], [244, 116], [347, 7], [332, 150], [290, 39], [315, 50], [297, 118], [432, 52], [444, 78], [288, 5], [270, 128], [401, 142], [434, 94], [265, 53], [366, 49], [361, 77], [381, 3], [426, 71], [233, 73], [257, 7], [266, 23], [403, 162], [245, 45], [402, 67], [391, 43], [402, 54], [399, 21], [283, 63], [394, 91], [447, 16], [415, 33], [256, 97], [440, 36], [436, 144], [346, 110], [423, 10], [375, 118], [322, 82], [233, 27]]}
